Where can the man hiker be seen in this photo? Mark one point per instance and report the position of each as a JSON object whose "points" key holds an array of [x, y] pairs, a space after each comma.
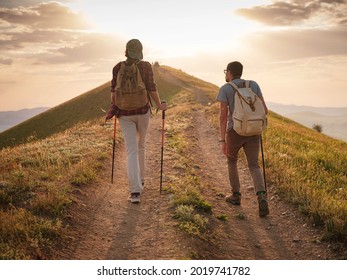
{"points": [[232, 142], [132, 86]]}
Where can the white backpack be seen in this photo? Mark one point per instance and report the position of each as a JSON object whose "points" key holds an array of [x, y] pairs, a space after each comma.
{"points": [[249, 114]]}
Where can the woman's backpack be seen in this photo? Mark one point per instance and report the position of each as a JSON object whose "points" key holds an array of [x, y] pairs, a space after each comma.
{"points": [[130, 90]]}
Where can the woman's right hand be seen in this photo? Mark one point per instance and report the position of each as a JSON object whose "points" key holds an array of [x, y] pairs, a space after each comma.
{"points": [[163, 106]]}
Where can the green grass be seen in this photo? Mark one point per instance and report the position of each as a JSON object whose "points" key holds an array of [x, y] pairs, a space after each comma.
{"points": [[23, 235], [82, 108], [191, 222], [189, 80], [191, 209], [167, 91], [309, 169], [222, 217]]}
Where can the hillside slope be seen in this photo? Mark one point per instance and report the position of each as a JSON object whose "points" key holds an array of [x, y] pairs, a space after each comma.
{"points": [[80, 109], [57, 200], [85, 107]]}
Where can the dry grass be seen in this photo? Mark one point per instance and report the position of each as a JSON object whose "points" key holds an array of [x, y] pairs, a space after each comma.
{"points": [[37, 181], [191, 209]]}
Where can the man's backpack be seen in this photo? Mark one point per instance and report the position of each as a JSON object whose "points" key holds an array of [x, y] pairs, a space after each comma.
{"points": [[130, 91], [249, 114]]}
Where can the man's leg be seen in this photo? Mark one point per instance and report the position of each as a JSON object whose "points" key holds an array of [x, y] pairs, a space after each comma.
{"points": [[251, 149], [234, 143]]}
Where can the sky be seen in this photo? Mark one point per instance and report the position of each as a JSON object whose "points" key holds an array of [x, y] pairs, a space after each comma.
{"points": [[51, 52]]}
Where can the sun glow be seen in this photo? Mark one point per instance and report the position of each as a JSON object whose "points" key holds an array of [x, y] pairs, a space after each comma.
{"points": [[172, 28], [77, 42]]}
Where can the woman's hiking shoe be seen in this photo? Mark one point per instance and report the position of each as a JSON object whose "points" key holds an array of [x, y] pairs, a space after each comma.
{"points": [[263, 205], [234, 199], [134, 198]]}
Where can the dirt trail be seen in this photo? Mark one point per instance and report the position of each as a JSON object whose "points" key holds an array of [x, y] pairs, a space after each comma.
{"points": [[104, 225], [284, 234]]}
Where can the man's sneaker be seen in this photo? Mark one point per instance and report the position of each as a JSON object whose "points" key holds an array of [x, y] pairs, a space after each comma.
{"points": [[134, 198], [234, 199], [263, 205]]}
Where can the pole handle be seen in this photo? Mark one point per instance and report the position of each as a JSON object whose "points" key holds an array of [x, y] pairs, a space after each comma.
{"points": [[163, 112]]}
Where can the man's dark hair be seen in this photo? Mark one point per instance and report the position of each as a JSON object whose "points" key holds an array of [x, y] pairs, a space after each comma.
{"points": [[235, 68]]}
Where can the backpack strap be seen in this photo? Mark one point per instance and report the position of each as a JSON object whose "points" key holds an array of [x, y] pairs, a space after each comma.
{"points": [[246, 83], [148, 95], [234, 86], [236, 89]]}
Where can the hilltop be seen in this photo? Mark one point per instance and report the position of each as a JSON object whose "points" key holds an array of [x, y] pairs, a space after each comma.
{"points": [[58, 203]]}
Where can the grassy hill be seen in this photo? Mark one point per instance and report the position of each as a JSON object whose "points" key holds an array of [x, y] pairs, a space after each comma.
{"points": [[80, 109], [309, 169], [85, 107], [68, 146]]}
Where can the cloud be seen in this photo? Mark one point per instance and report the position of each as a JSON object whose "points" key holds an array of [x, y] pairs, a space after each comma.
{"points": [[49, 33], [50, 15], [294, 44], [26, 3], [89, 48], [6, 61], [283, 13], [315, 28], [20, 40]]}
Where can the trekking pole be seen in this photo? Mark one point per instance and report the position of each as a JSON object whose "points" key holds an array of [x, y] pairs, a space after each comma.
{"points": [[162, 147], [114, 145], [262, 156]]}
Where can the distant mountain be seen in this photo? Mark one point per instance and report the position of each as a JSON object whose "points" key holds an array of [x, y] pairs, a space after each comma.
{"points": [[12, 118], [289, 109], [332, 120]]}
